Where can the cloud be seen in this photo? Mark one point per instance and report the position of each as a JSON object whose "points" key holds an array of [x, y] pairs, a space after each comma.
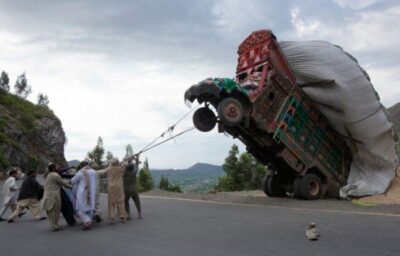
{"points": [[120, 70], [356, 4]]}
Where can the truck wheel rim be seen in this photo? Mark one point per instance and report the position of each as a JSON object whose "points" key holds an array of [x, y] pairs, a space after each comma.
{"points": [[313, 188], [231, 111]]}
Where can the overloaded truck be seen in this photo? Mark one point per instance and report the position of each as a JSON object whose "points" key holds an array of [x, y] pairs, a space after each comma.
{"points": [[280, 126]]}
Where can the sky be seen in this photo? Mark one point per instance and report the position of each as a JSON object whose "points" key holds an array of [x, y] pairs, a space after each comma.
{"points": [[119, 69]]}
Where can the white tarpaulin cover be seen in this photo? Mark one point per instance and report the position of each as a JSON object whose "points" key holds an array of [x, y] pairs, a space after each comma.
{"points": [[343, 92]]}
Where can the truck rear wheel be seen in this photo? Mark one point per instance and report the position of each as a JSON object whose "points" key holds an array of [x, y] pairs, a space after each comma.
{"points": [[273, 187], [296, 188], [204, 119], [230, 111], [310, 187]]}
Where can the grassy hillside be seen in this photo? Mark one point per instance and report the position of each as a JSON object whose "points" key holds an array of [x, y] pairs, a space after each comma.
{"points": [[18, 123]]}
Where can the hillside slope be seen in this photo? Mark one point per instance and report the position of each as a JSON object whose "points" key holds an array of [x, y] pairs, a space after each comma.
{"points": [[394, 112], [31, 135]]}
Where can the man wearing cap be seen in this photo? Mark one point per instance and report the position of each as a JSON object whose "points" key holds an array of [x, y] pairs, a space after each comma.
{"points": [[130, 186], [28, 197], [10, 192], [116, 195]]}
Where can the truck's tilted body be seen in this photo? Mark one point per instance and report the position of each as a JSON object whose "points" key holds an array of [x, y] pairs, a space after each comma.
{"points": [[278, 123]]}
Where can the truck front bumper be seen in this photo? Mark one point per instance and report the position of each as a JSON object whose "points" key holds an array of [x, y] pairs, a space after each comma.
{"points": [[204, 92]]}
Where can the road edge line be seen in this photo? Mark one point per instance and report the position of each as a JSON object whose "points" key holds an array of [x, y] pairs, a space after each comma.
{"points": [[275, 206]]}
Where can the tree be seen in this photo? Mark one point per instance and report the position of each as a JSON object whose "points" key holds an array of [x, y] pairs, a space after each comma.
{"points": [[243, 173], [4, 82], [230, 164], [109, 157], [96, 155], [21, 87], [258, 173], [225, 183], [145, 179], [164, 183], [128, 151], [42, 99]]}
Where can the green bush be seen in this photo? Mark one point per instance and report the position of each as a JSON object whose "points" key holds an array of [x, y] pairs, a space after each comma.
{"points": [[225, 183], [145, 180], [3, 161], [174, 188], [242, 173], [19, 105], [21, 115]]}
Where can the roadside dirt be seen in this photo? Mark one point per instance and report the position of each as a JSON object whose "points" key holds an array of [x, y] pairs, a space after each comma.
{"points": [[392, 195]]}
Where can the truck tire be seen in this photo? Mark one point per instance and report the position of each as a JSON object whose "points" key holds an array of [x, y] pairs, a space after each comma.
{"points": [[310, 187], [296, 188], [265, 186], [230, 111], [273, 187], [204, 119]]}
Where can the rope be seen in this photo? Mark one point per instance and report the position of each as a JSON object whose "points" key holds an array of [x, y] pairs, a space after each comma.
{"points": [[162, 142], [169, 129]]}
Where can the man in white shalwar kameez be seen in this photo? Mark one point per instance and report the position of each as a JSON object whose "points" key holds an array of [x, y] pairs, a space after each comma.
{"points": [[10, 192], [84, 183]]}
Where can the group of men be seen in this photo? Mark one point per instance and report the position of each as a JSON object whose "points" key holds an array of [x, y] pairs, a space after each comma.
{"points": [[18, 200], [75, 195]]}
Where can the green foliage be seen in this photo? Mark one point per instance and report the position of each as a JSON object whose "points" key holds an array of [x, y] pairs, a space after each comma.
{"points": [[35, 163], [174, 188], [21, 115], [225, 183], [243, 173], [96, 155], [18, 114], [165, 185], [145, 180], [231, 161], [19, 106], [21, 87], [128, 151], [4, 164], [109, 157], [4, 82], [42, 99]]}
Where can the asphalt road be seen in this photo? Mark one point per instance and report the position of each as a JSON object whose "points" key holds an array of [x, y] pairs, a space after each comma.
{"points": [[191, 227]]}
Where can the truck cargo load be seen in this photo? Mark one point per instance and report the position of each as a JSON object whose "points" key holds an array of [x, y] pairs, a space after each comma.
{"points": [[343, 92]]}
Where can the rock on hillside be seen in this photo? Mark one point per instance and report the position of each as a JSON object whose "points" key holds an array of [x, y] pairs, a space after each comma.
{"points": [[31, 135], [395, 116]]}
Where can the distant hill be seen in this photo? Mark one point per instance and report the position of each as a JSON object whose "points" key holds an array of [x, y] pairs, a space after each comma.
{"points": [[73, 163], [200, 177], [201, 169]]}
